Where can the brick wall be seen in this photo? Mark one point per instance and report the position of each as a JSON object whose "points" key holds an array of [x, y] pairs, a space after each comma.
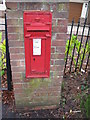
{"points": [[40, 91]]}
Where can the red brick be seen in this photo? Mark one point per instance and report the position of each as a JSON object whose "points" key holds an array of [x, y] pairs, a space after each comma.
{"points": [[15, 14], [61, 36], [13, 36], [59, 62], [12, 6], [15, 29], [50, 93], [53, 50], [56, 88], [40, 93], [16, 43], [59, 29], [22, 63], [58, 80], [62, 22], [12, 22], [58, 43], [19, 91], [16, 50], [35, 6], [15, 63], [60, 49], [17, 69], [16, 75], [57, 56], [56, 68], [17, 86], [54, 22], [60, 14], [26, 86], [58, 73], [16, 80], [17, 56]]}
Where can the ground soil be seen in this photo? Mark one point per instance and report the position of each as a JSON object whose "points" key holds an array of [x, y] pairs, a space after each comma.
{"points": [[74, 88]]}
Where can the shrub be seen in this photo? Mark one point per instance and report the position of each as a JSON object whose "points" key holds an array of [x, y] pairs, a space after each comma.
{"points": [[76, 42], [3, 55]]}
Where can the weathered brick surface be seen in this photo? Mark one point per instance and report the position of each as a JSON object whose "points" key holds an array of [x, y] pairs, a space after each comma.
{"points": [[13, 36], [40, 91], [60, 29], [12, 6], [62, 22], [61, 36], [58, 43]]}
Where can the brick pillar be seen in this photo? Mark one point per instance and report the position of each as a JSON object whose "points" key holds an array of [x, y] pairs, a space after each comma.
{"points": [[41, 91]]}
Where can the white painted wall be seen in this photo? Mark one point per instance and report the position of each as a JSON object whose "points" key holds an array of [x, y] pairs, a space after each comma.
{"points": [[75, 29], [79, 1], [2, 21]]}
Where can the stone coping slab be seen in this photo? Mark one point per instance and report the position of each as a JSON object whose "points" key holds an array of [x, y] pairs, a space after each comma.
{"points": [[37, 1]]}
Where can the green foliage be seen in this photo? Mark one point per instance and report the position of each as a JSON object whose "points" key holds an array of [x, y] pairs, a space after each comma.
{"points": [[85, 105], [75, 41], [3, 55]]}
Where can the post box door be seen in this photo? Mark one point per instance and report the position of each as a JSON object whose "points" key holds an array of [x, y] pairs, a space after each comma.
{"points": [[37, 46]]}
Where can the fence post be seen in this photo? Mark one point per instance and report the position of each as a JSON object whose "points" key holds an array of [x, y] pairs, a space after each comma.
{"points": [[74, 45], [85, 48], [80, 44], [68, 46]]}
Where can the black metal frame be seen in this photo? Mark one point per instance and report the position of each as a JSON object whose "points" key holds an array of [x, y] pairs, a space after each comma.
{"points": [[69, 45]]}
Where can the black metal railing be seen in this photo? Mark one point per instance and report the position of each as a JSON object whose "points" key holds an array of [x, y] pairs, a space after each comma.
{"points": [[8, 66], [9, 73], [83, 43]]}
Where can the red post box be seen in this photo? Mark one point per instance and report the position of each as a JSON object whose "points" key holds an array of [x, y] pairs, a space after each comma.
{"points": [[37, 39]]}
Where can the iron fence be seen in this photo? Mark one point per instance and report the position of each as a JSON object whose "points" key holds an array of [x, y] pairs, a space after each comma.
{"points": [[8, 66], [79, 56]]}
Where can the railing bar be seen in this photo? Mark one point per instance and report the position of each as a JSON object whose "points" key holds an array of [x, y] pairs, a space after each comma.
{"points": [[7, 57], [87, 61], [68, 46], [84, 49], [74, 46], [80, 44], [2, 24]]}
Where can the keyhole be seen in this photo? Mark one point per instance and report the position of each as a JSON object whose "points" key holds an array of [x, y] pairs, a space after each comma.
{"points": [[34, 59]]}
